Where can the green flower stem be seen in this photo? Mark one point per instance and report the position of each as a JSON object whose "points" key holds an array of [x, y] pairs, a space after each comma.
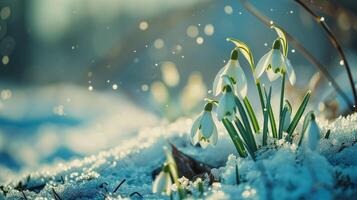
{"points": [[246, 123], [281, 117], [298, 115], [266, 119], [235, 138], [259, 88], [251, 114]]}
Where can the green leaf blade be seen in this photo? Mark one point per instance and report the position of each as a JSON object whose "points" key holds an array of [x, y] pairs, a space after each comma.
{"points": [[298, 115], [235, 138], [251, 114]]}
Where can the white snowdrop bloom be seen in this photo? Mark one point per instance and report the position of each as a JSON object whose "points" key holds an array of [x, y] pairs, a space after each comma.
{"points": [[275, 63], [234, 71], [162, 183], [312, 135], [226, 106], [204, 130]]}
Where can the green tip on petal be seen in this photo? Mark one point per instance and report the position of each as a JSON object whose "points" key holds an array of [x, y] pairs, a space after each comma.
{"points": [[234, 54], [166, 168], [227, 88], [312, 117], [277, 44], [208, 106]]}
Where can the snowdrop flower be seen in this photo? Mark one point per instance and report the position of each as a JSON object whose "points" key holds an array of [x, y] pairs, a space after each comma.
{"points": [[275, 64], [235, 73], [226, 106], [312, 135], [204, 130], [162, 183]]}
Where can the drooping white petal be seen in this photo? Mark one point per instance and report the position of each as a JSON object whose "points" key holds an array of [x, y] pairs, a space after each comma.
{"points": [[214, 137], [159, 184], [218, 82], [272, 76], [207, 124], [194, 130], [263, 64], [221, 107], [230, 68], [277, 60], [312, 136], [290, 71], [241, 85], [226, 106]]}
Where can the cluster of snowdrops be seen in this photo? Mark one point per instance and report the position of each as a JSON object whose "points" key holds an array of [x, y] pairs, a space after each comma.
{"points": [[234, 111]]}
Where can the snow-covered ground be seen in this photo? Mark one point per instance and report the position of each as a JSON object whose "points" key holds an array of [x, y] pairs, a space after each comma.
{"points": [[61, 122], [279, 173]]}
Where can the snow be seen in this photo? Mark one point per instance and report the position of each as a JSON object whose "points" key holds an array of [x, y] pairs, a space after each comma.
{"points": [[280, 172]]}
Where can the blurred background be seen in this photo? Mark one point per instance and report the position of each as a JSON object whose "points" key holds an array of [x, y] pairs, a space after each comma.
{"points": [[77, 77]]}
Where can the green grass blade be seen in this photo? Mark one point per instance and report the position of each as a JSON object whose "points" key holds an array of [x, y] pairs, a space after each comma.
{"points": [[271, 116], [266, 119], [298, 115], [237, 175], [235, 138], [246, 124], [251, 114], [327, 135]]}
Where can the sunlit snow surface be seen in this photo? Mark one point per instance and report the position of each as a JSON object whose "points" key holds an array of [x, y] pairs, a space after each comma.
{"points": [[279, 173]]}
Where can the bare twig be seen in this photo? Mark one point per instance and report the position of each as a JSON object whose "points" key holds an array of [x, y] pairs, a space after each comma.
{"points": [[23, 194], [298, 45], [136, 193], [57, 197], [119, 185], [336, 44]]}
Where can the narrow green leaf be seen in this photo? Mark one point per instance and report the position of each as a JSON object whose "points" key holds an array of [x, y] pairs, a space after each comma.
{"points": [[247, 141], [244, 49], [266, 119], [251, 114], [246, 123], [237, 175], [282, 37], [235, 138], [271, 117], [327, 135], [298, 115], [307, 120]]}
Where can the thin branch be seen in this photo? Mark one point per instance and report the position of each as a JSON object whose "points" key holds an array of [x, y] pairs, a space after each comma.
{"points": [[23, 194], [56, 196], [119, 185], [266, 21], [336, 44], [136, 193]]}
